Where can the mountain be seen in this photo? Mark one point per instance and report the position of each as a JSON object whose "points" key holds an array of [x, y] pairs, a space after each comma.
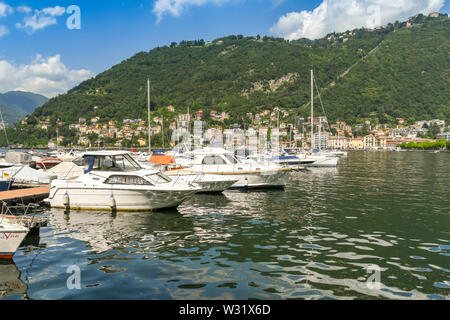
{"points": [[17, 104], [401, 70]]}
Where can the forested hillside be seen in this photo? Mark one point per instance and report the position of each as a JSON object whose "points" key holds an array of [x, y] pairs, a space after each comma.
{"points": [[400, 70], [406, 76]]}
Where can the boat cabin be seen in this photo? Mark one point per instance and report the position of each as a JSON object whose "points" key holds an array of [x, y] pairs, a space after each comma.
{"points": [[122, 168], [117, 161], [215, 156]]}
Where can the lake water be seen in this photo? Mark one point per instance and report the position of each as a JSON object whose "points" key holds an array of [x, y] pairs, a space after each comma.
{"points": [[379, 215]]}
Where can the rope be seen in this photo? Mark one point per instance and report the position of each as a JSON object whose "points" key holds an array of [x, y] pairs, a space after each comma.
{"points": [[320, 99]]}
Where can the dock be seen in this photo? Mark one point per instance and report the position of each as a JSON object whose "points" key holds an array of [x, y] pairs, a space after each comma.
{"points": [[25, 195]]}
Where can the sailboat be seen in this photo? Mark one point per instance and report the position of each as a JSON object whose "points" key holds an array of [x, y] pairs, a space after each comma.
{"points": [[11, 236], [6, 177], [320, 160]]}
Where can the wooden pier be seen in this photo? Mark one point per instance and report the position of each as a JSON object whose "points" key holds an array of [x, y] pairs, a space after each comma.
{"points": [[25, 195]]}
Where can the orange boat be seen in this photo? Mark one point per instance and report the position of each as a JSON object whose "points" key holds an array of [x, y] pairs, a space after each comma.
{"points": [[48, 163]]}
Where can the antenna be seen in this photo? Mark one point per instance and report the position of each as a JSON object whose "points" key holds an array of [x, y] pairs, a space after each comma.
{"points": [[149, 123], [312, 109], [4, 128]]}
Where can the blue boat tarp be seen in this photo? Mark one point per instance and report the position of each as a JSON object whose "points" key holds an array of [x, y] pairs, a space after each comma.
{"points": [[283, 158]]}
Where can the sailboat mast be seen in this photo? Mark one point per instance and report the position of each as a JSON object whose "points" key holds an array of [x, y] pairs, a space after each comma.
{"points": [[4, 128], [149, 124], [312, 110]]}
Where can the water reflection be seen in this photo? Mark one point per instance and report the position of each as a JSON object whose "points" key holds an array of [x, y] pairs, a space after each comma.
{"points": [[10, 282], [315, 240]]}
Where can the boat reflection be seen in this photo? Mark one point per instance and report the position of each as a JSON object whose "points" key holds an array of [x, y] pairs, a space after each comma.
{"points": [[10, 282], [103, 231]]}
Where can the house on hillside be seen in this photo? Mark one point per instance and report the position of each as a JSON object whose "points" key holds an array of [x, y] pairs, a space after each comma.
{"points": [[370, 141], [356, 143]]}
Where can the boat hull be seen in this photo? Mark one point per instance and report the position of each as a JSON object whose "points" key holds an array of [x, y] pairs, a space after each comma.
{"points": [[208, 183], [5, 185], [10, 240], [323, 162], [124, 200], [258, 180]]}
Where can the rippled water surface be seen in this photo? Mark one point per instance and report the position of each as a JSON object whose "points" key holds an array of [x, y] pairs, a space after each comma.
{"points": [[315, 240]]}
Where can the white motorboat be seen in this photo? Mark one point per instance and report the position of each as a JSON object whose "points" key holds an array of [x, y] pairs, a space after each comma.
{"points": [[113, 180], [289, 161], [25, 175], [312, 160], [337, 153], [210, 183], [218, 161], [11, 236], [67, 170]]}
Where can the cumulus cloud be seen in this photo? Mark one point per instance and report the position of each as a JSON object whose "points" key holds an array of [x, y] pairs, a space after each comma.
{"points": [[55, 11], [46, 76], [3, 31], [276, 3], [177, 7], [41, 18], [24, 9], [5, 10], [342, 15]]}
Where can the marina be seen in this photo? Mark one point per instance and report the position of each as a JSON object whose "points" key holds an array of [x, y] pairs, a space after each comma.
{"points": [[313, 240], [294, 150]]}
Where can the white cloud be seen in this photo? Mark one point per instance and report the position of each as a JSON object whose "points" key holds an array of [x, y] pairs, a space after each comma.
{"points": [[24, 9], [276, 3], [3, 31], [54, 12], [47, 76], [342, 15], [5, 10], [41, 19], [177, 7]]}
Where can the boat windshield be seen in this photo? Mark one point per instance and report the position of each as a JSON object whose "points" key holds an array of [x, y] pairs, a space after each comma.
{"points": [[132, 180], [158, 178], [232, 159], [117, 163]]}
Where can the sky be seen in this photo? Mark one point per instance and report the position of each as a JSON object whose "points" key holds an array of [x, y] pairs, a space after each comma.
{"points": [[50, 46]]}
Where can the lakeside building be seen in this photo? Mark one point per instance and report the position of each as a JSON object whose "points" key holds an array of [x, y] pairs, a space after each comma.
{"points": [[356, 143], [444, 135], [381, 141], [338, 142], [394, 142], [369, 142]]}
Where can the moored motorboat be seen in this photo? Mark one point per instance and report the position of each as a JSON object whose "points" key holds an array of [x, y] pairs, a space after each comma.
{"points": [[319, 160], [210, 183], [47, 163], [290, 161], [218, 161], [114, 180]]}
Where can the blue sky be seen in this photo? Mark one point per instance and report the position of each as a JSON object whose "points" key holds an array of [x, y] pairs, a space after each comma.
{"points": [[52, 59]]}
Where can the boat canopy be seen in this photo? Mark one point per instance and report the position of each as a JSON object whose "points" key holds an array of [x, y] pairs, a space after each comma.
{"points": [[162, 159], [110, 161]]}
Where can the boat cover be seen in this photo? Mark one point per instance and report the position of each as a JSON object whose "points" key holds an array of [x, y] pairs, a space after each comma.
{"points": [[162, 160]]}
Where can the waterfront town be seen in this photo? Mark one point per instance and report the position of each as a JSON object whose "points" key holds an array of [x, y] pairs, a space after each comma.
{"points": [[293, 131]]}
